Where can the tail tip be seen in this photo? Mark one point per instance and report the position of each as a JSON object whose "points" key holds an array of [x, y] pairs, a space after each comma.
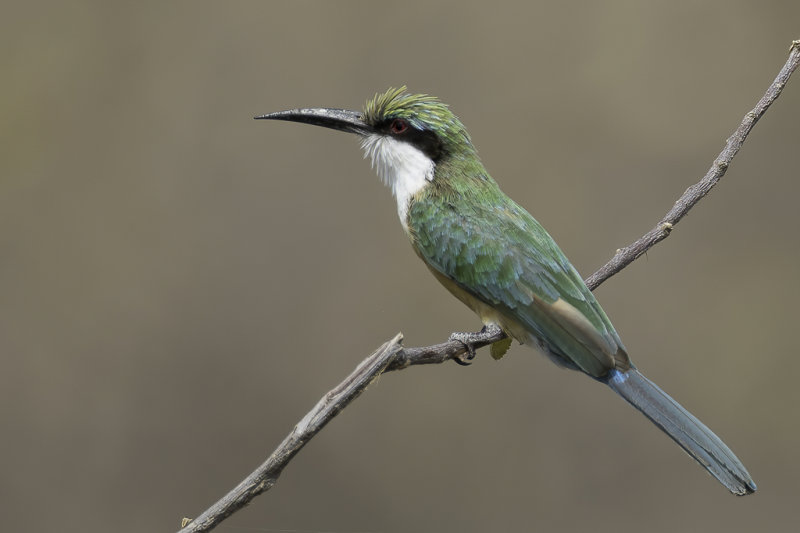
{"points": [[749, 487]]}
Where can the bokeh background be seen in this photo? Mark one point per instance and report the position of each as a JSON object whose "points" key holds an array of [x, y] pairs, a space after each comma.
{"points": [[179, 283]]}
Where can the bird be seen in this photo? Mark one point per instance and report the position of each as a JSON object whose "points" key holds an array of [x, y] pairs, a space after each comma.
{"points": [[494, 256]]}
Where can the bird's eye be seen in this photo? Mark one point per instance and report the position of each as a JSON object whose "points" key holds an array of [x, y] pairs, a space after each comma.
{"points": [[398, 126]]}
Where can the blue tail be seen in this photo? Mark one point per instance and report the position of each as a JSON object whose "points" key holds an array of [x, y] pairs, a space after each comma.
{"points": [[691, 434]]}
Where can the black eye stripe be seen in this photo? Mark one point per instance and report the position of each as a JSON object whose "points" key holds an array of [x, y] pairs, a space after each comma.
{"points": [[425, 140]]}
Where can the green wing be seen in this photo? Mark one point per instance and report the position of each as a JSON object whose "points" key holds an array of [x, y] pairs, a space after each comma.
{"points": [[498, 253]]}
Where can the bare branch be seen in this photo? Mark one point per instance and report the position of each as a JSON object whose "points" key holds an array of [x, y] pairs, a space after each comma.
{"points": [[265, 476], [695, 193], [392, 356]]}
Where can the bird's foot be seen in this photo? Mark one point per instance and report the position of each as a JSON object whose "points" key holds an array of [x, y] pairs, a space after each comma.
{"points": [[469, 340]]}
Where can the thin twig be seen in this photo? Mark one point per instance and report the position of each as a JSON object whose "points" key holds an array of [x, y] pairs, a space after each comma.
{"points": [[265, 476], [695, 193], [392, 356]]}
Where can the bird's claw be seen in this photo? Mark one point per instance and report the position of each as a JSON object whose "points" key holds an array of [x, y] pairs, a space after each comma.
{"points": [[464, 359], [470, 339]]}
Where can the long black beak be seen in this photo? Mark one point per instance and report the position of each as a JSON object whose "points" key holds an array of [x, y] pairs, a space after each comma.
{"points": [[337, 119]]}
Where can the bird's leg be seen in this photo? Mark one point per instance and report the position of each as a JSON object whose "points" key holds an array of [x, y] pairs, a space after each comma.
{"points": [[469, 339]]}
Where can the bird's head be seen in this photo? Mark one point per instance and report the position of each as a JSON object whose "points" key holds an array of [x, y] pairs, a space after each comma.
{"points": [[405, 135], [420, 120]]}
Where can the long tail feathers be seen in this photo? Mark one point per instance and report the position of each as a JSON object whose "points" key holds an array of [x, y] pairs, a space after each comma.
{"points": [[691, 434]]}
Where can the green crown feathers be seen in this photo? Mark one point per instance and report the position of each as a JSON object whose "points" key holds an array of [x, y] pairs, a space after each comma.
{"points": [[422, 111]]}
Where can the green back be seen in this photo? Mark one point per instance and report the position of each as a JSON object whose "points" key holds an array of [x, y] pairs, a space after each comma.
{"points": [[465, 228]]}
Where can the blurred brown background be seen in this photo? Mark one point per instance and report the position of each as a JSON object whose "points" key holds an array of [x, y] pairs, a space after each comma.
{"points": [[180, 283]]}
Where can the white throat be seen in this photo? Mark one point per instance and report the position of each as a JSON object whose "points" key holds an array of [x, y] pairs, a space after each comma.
{"points": [[401, 166]]}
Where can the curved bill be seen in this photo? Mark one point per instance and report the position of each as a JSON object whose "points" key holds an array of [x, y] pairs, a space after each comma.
{"points": [[337, 119]]}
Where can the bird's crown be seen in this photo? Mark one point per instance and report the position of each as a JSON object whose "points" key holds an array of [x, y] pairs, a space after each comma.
{"points": [[421, 112]]}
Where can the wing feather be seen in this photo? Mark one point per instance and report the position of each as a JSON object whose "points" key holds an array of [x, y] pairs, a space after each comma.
{"points": [[499, 254]]}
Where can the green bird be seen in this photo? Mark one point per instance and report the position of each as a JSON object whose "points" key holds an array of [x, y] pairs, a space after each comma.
{"points": [[497, 259]]}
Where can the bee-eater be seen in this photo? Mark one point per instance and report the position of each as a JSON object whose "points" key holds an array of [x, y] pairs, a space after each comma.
{"points": [[497, 259]]}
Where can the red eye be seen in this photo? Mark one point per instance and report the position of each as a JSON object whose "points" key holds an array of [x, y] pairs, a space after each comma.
{"points": [[398, 126]]}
